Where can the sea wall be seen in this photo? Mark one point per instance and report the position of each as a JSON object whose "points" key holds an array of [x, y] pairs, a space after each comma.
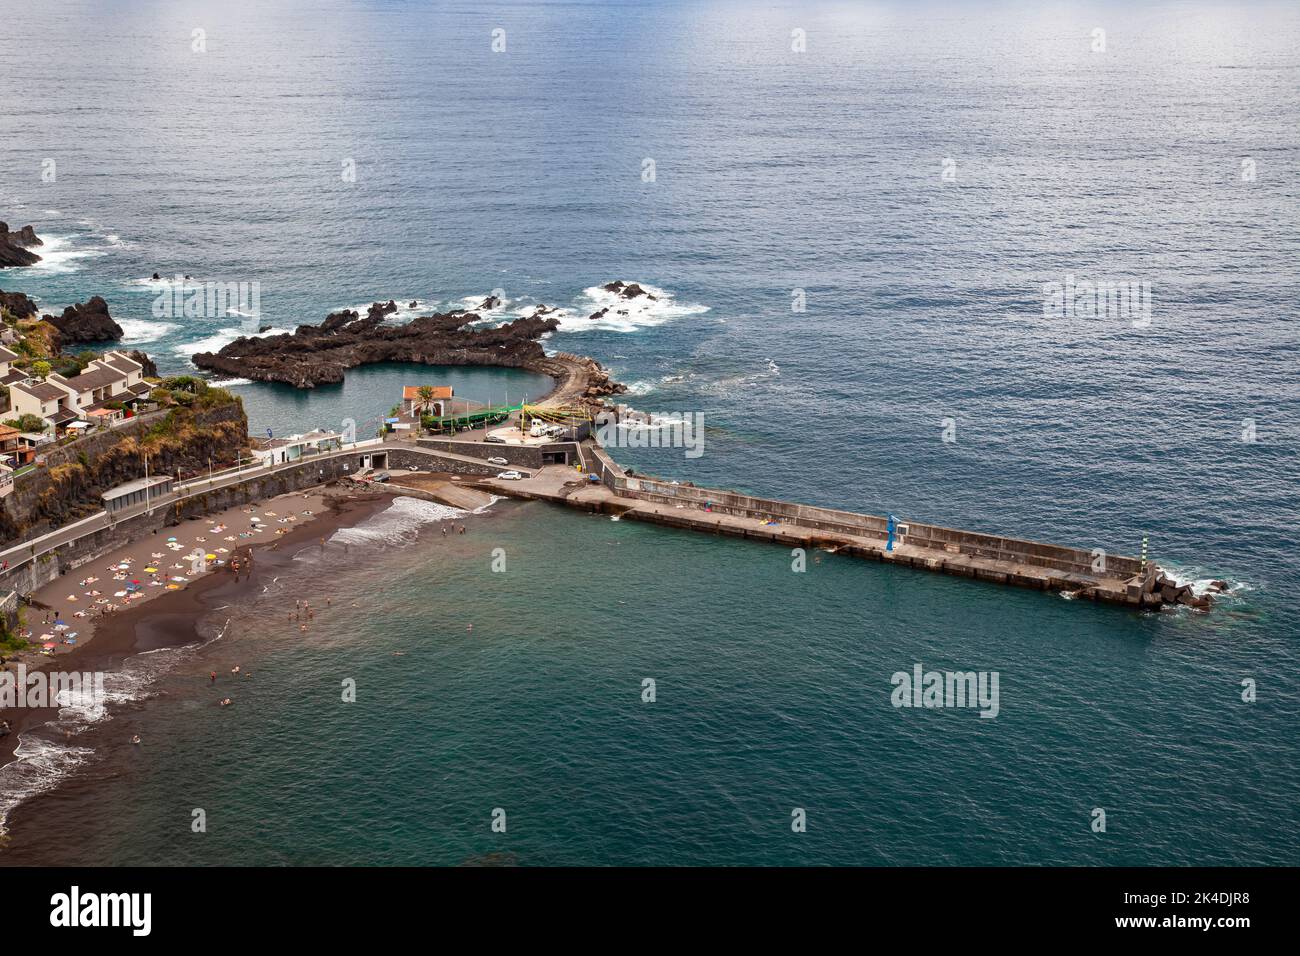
{"points": [[430, 460]]}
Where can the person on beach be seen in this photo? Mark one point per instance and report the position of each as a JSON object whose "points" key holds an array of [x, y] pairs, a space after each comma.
{"points": [[235, 669], [213, 675]]}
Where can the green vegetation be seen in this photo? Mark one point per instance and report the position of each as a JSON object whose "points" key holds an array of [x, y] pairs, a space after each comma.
{"points": [[40, 368], [27, 423], [191, 392], [10, 642]]}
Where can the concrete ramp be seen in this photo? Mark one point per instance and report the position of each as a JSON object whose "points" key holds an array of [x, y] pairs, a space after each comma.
{"points": [[441, 490]]}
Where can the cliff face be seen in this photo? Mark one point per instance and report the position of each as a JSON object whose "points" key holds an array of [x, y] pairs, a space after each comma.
{"points": [[75, 475], [319, 354]]}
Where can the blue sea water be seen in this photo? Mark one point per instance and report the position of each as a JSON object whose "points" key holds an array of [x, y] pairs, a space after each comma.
{"points": [[775, 171]]}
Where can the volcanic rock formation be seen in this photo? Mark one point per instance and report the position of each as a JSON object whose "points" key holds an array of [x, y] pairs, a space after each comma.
{"points": [[87, 322], [319, 354], [14, 246]]}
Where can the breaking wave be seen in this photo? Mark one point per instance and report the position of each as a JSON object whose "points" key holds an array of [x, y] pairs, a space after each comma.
{"points": [[401, 522]]}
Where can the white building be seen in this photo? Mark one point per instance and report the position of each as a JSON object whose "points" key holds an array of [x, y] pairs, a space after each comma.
{"points": [[281, 451]]}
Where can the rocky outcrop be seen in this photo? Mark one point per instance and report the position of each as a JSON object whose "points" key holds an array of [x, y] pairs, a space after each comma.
{"points": [[319, 354], [147, 366], [15, 246], [1158, 589], [87, 322], [628, 290], [17, 304]]}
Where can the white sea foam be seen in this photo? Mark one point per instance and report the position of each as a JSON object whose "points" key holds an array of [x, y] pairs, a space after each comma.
{"points": [[228, 382], [136, 331], [61, 254], [640, 388], [164, 283], [220, 339], [1200, 581], [405, 312], [39, 764], [625, 315], [44, 757], [502, 309], [397, 524]]}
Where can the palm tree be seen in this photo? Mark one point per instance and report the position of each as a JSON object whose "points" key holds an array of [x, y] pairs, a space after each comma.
{"points": [[426, 393]]}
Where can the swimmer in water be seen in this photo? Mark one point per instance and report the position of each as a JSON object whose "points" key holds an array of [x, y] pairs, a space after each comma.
{"points": [[136, 740]]}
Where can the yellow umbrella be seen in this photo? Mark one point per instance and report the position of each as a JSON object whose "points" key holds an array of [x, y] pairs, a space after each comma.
{"points": [[211, 557]]}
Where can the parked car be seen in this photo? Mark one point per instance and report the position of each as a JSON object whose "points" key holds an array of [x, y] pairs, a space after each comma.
{"points": [[510, 475], [381, 476], [497, 461], [495, 439]]}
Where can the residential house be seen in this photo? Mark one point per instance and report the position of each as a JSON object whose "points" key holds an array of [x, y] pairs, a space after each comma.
{"points": [[111, 387], [8, 374], [42, 400]]}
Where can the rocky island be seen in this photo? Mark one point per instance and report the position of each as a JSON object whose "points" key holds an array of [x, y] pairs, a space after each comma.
{"points": [[320, 354], [15, 246]]}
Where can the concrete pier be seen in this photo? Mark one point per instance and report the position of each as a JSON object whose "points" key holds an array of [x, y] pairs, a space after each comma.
{"points": [[1088, 574]]}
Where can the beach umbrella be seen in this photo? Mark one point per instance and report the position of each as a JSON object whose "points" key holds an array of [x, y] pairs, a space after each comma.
{"points": [[48, 646], [172, 538]]}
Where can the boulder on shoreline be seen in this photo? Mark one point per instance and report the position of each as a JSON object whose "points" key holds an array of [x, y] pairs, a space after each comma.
{"points": [[87, 322], [14, 246]]}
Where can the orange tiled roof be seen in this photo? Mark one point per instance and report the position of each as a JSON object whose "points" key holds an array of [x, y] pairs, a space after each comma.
{"points": [[412, 392]]}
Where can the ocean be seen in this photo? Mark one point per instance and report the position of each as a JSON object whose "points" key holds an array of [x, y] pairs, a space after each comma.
{"points": [[849, 247]]}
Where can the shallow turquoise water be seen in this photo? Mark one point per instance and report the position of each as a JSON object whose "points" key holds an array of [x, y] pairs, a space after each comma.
{"points": [[367, 395]]}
